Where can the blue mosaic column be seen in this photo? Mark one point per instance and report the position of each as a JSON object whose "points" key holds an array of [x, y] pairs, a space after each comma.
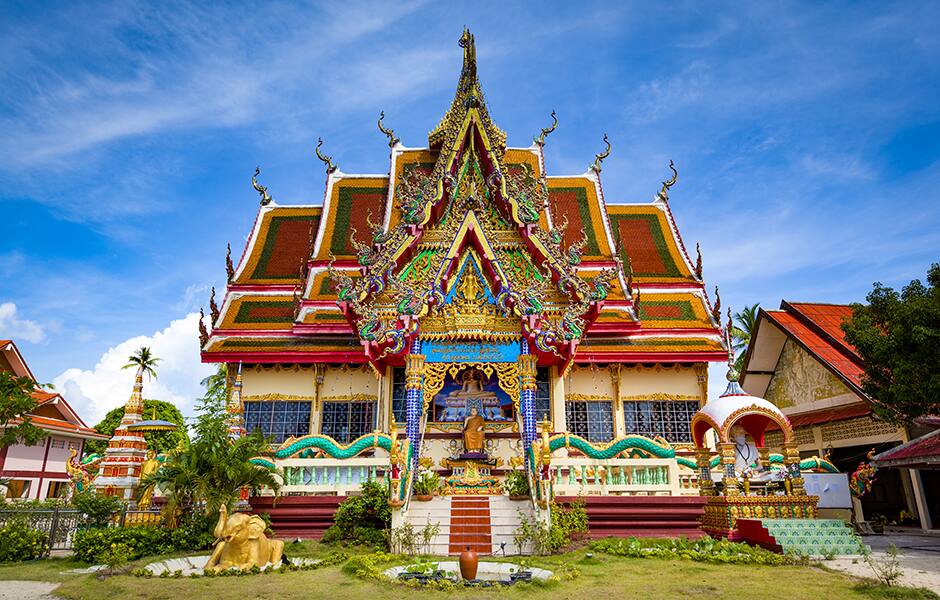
{"points": [[527, 394], [414, 380]]}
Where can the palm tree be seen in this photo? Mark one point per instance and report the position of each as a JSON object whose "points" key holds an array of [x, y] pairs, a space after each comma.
{"points": [[144, 360], [744, 323], [216, 383]]}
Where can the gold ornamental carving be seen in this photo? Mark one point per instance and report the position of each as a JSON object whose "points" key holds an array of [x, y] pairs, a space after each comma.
{"points": [[659, 396], [469, 316], [279, 397]]}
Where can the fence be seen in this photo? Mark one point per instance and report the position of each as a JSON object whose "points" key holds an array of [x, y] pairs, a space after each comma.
{"points": [[61, 524]]}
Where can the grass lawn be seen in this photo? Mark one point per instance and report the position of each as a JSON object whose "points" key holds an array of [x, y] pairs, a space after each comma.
{"points": [[601, 577]]}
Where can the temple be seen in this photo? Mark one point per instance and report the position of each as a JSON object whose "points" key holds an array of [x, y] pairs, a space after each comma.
{"points": [[369, 333]]}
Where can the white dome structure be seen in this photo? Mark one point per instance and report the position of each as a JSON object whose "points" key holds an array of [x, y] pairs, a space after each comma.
{"points": [[736, 407]]}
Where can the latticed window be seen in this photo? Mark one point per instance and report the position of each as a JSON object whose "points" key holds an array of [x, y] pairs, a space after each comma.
{"points": [[543, 395], [399, 402], [669, 419], [592, 420], [345, 421], [278, 419]]}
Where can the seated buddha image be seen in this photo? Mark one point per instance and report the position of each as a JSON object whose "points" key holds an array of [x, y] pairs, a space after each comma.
{"points": [[473, 395]]}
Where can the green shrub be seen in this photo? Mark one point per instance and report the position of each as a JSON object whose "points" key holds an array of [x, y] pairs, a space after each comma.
{"points": [[516, 483], [94, 545], [97, 508], [703, 550], [362, 519], [566, 521], [19, 542], [426, 483]]}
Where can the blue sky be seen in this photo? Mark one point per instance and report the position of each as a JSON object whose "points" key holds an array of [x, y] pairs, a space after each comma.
{"points": [[807, 137]]}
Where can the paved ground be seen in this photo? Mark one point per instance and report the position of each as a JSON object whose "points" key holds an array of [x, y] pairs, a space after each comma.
{"points": [[27, 590], [919, 555]]}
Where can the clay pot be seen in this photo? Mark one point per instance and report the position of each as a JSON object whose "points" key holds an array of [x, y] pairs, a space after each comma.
{"points": [[469, 561], [424, 497]]}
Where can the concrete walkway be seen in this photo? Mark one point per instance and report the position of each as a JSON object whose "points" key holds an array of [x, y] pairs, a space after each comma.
{"points": [[27, 590], [918, 555]]}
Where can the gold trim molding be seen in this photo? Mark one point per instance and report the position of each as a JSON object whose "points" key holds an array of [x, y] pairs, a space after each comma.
{"points": [[350, 398], [278, 397], [660, 396]]}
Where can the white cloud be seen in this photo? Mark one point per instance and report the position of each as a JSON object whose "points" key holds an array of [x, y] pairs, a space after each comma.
{"points": [[15, 328], [94, 392]]}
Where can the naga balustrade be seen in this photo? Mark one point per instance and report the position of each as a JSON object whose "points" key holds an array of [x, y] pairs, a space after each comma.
{"points": [[581, 475], [321, 476]]}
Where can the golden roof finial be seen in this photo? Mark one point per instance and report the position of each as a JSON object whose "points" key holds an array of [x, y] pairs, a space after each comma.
{"points": [[540, 141], [327, 160], [389, 133], [599, 158], [262, 190], [664, 192], [468, 44]]}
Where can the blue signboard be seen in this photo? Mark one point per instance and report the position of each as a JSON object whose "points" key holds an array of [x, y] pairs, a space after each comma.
{"points": [[457, 352]]}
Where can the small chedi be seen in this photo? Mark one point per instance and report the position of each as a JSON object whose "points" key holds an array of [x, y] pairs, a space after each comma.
{"points": [[242, 544]]}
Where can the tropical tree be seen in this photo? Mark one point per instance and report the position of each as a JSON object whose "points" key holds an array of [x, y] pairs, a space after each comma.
{"points": [[16, 402], [898, 338], [158, 441], [144, 361], [213, 468], [742, 326], [217, 384]]}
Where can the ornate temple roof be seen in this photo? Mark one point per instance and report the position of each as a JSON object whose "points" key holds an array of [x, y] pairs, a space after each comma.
{"points": [[353, 279]]}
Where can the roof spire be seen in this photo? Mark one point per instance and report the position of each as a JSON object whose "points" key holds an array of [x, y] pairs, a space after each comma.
{"points": [[468, 44], [663, 194], [389, 133], [262, 190], [599, 158], [540, 141], [327, 160], [734, 388]]}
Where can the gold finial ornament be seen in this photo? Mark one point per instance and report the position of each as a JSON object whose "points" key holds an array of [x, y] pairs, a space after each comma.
{"points": [[540, 141], [663, 194], [327, 160], [698, 261], [599, 158], [262, 190], [716, 310], [229, 266], [389, 133]]}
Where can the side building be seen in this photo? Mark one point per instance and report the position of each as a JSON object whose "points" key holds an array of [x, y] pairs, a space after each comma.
{"points": [[38, 472], [799, 359]]}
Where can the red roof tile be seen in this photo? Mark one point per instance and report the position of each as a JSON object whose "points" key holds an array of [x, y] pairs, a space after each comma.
{"points": [[826, 317], [922, 451], [842, 361], [829, 415]]}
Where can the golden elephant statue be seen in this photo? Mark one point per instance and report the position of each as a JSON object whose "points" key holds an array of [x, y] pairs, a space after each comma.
{"points": [[241, 543]]}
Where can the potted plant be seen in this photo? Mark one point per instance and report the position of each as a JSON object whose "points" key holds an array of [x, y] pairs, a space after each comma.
{"points": [[426, 485], [517, 485]]}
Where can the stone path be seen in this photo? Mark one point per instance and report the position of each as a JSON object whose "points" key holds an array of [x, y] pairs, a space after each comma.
{"points": [[918, 555], [27, 590]]}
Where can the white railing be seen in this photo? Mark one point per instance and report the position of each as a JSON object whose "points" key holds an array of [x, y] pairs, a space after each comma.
{"points": [[578, 475], [329, 475], [688, 481]]}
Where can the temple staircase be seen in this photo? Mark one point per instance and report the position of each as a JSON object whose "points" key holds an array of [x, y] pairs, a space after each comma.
{"points": [[484, 523], [642, 516], [305, 517], [809, 537]]}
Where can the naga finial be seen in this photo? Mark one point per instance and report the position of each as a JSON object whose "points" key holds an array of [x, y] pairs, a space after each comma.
{"points": [[664, 192], [203, 334], [327, 160], [599, 158], [229, 267], [389, 133], [716, 310], [729, 339], [213, 307], [698, 261], [262, 190], [540, 141]]}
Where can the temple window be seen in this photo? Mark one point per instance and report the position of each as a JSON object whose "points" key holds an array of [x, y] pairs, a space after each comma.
{"points": [[278, 419], [345, 421], [543, 395], [399, 406], [669, 418], [591, 419]]}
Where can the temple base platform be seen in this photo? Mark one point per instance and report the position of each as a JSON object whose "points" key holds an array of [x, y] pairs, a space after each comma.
{"points": [[722, 512], [642, 516]]}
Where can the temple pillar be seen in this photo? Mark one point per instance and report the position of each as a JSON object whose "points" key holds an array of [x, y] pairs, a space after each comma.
{"points": [[730, 479], [526, 363], [763, 457], [791, 461], [414, 384], [703, 461]]}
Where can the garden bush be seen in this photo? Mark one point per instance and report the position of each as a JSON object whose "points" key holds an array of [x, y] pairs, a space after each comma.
{"points": [[703, 550], [97, 508], [362, 519], [95, 545], [20, 542]]}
